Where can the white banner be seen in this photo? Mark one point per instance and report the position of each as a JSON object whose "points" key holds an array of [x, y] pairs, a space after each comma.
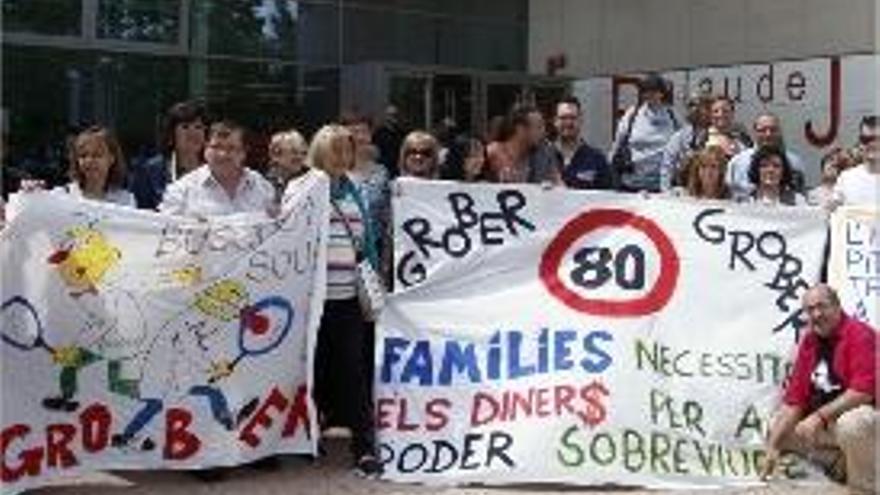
{"points": [[587, 338], [854, 265], [132, 340]]}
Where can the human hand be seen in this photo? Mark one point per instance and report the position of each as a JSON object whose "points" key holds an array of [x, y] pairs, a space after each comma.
{"points": [[219, 369], [65, 356], [31, 185], [771, 462]]}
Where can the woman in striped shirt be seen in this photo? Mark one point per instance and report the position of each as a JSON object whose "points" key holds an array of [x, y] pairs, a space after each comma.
{"points": [[342, 373]]}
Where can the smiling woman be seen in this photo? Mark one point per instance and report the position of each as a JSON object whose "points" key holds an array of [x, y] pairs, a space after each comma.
{"points": [[97, 167]]}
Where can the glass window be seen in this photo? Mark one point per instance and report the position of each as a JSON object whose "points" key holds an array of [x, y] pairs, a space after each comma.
{"points": [[72, 88], [270, 96], [155, 21], [482, 45], [284, 29], [55, 17], [377, 35]]}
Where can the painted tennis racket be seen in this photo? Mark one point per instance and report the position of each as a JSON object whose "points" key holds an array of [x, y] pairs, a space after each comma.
{"points": [[252, 322], [20, 326]]}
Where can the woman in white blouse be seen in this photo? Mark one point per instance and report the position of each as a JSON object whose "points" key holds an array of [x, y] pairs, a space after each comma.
{"points": [[97, 168]]}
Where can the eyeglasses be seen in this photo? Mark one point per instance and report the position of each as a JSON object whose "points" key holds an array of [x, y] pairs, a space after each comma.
{"points": [[423, 152]]}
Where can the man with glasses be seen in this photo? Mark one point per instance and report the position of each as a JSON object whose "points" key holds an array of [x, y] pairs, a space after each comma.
{"points": [[583, 167], [768, 133], [860, 185]]}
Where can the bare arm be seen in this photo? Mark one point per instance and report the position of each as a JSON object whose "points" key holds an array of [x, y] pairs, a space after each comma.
{"points": [[785, 422], [850, 399], [783, 425]]}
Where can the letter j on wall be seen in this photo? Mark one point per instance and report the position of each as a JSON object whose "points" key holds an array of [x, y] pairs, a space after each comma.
{"points": [[588, 222]]}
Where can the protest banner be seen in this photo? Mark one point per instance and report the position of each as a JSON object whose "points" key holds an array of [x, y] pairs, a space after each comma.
{"points": [[854, 264], [132, 340], [586, 338]]}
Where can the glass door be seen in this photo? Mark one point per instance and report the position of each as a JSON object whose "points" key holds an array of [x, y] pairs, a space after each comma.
{"points": [[411, 94]]}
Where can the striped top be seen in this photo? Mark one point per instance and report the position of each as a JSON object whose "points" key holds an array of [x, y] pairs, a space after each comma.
{"points": [[341, 256]]}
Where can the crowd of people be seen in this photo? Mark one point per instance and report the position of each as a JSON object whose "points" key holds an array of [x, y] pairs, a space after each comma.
{"points": [[200, 170]]}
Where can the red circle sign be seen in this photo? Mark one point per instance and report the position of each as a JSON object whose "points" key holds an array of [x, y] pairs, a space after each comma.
{"points": [[590, 221]]}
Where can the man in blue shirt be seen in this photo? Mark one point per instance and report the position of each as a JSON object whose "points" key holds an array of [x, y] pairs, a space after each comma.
{"points": [[582, 166]]}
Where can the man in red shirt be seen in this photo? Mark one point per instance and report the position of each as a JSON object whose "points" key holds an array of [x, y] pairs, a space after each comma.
{"points": [[831, 397]]}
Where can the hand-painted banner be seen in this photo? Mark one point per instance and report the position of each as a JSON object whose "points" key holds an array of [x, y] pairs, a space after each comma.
{"points": [[133, 340], [587, 338], [854, 265]]}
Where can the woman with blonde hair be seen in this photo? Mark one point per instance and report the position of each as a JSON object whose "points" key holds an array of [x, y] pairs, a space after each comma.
{"points": [[419, 156], [342, 373], [705, 174]]}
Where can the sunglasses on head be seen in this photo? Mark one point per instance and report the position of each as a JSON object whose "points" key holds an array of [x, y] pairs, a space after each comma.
{"points": [[424, 152]]}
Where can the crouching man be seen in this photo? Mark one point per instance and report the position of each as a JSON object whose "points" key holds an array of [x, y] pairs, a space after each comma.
{"points": [[829, 409]]}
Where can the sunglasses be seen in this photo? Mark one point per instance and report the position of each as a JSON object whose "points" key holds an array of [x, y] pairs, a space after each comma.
{"points": [[423, 152], [866, 139]]}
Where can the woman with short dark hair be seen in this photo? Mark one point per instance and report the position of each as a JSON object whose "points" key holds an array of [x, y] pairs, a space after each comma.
{"points": [[772, 176], [181, 143]]}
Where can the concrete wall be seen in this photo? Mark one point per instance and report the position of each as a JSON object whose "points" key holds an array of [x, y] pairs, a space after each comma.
{"points": [[601, 37]]}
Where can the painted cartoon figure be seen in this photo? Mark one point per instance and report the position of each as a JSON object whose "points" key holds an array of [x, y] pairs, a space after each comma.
{"points": [[23, 329], [106, 323], [180, 361], [84, 259]]}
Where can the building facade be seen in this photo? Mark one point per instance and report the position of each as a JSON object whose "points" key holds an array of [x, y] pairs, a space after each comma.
{"points": [[268, 63]]}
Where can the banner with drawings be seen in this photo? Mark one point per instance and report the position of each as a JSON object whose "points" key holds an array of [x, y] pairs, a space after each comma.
{"points": [[587, 338], [854, 265], [132, 340]]}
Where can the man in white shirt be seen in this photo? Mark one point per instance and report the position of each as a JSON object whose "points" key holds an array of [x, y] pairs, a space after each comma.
{"points": [[860, 185], [768, 132], [223, 185]]}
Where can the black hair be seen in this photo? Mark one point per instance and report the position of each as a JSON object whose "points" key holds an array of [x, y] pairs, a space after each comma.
{"points": [[458, 153], [570, 100], [653, 82], [180, 113], [787, 183]]}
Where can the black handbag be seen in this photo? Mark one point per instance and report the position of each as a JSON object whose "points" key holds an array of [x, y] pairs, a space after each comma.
{"points": [[621, 161]]}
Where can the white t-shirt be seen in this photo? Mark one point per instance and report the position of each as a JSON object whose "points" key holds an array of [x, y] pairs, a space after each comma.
{"points": [[858, 186]]}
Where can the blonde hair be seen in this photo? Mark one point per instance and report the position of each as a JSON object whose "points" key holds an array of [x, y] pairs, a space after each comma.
{"points": [[322, 152], [290, 137], [413, 139]]}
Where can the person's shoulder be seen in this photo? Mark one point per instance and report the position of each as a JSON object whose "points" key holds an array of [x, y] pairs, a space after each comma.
{"points": [[258, 179], [590, 152], [853, 173], [122, 197], [191, 178], [743, 155], [857, 327]]}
